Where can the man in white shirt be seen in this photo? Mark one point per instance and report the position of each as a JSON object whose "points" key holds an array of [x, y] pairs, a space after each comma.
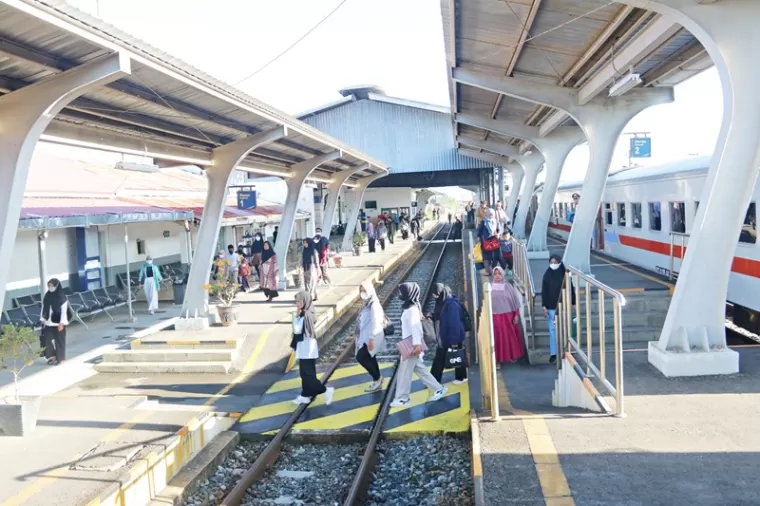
{"points": [[232, 263], [501, 218]]}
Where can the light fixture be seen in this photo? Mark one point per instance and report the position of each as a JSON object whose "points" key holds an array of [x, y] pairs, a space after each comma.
{"points": [[529, 152], [625, 84], [136, 167]]}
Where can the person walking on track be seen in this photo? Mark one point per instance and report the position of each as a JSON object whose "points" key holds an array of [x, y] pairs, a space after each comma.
{"points": [[305, 345]]}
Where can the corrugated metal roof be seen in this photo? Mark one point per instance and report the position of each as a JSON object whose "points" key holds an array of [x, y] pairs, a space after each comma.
{"points": [[407, 138]]}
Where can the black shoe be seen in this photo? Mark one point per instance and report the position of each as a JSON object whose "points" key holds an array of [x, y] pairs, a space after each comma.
{"points": [[552, 359]]}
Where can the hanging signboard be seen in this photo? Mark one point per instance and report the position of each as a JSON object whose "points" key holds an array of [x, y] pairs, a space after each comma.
{"points": [[641, 147], [246, 199]]}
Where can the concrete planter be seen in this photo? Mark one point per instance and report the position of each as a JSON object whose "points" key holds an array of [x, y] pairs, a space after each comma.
{"points": [[228, 315], [358, 251], [296, 281], [19, 419]]}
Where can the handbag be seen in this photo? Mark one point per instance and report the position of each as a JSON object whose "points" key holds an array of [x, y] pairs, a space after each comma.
{"points": [[388, 328], [491, 244], [405, 347], [429, 336], [455, 358]]}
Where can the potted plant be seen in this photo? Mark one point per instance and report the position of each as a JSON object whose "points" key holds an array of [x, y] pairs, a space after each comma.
{"points": [[19, 347], [360, 239], [297, 279], [225, 290]]}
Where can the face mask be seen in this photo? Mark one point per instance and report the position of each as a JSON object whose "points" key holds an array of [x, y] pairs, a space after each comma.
{"points": [[364, 295], [52, 288], [554, 267], [150, 262]]}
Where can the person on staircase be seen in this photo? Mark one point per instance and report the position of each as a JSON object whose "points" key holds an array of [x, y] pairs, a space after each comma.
{"points": [[507, 328], [551, 294]]}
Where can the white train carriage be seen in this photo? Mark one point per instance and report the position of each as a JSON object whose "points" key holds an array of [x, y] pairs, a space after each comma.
{"points": [[645, 208]]}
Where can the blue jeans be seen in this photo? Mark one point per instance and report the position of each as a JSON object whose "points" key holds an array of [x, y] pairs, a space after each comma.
{"points": [[552, 332]]}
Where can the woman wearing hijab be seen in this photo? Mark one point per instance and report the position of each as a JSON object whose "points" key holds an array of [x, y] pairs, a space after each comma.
{"points": [[310, 264], [382, 233], [305, 345], [54, 318], [371, 236], [411, 326], [269, 272], [489, 241], [370, 337], [507, 330], [452, 322], [257, 248], [551, 293], [150, 279]]}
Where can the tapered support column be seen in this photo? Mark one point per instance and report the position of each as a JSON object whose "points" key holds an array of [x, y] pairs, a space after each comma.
{"points": [[333, 192], [224, 161], [294, 183], [501, 187], [532, 166], [352, 215], [24, 115], [518, 174]]}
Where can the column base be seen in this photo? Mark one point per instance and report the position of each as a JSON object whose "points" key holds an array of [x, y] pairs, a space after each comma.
{"points": [[696, 363], [199, 323], [538, 255]]}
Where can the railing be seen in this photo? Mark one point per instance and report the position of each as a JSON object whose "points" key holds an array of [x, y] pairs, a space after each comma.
{"points": [[673, 236], [584, 333], [524, 280], [486, 356]]}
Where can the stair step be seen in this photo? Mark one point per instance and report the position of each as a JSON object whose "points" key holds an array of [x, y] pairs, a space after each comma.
{"points": [[164, 367], [171, 355], [142, 345]]}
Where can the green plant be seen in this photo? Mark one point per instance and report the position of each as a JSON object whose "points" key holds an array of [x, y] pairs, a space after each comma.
{"points": [[360, 239], [223, 289], [19, 347]]}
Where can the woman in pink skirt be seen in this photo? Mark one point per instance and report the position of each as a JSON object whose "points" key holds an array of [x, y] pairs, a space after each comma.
{"points": [[505, 304]]}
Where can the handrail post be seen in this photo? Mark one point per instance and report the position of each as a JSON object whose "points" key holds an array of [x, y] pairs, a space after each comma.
{"points": [[488, 359], [619, 408], [670, 273], [602, 340], [568, 310], [558, 331]]}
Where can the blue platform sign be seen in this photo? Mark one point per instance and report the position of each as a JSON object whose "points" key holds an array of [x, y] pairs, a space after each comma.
{"points": [[641, 147], [246, 200]]}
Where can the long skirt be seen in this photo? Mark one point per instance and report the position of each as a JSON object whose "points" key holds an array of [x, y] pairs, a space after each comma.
{"points": [[54, 342], [310, 280], [151, 294], [508, 342]]}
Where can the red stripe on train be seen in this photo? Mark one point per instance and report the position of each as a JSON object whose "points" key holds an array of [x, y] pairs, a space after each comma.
{"points": [[745, 266]]}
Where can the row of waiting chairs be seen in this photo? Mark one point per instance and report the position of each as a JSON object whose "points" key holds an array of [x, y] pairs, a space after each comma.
{"points": [[169, 272], [28, 308]]}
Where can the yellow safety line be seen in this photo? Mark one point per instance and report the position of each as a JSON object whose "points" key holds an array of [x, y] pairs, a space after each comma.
{"points": [[551, 477], [51, 477]]}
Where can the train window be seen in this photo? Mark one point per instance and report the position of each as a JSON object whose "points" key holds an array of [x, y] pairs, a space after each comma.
{"points": [[655, 216], [561, 211], [608, 213], [636, 214], [564, 206], [748, 234], [678, 217], [621, 214]]}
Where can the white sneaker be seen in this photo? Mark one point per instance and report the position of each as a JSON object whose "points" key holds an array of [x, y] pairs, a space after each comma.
{"points": [[374, 386], [399, 403], [329, 393], [439, 393], [459, 382], [301, 400]]}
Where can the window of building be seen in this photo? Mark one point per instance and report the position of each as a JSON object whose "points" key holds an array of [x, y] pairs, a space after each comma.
{"points": [[655, 216], [370, 204], [621, 214], [608, 213], [140, 247], [678, 217], [636, 214], [748, 234]]}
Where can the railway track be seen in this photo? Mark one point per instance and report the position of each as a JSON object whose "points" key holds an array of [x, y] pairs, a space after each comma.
{"points": [[349, 468]]}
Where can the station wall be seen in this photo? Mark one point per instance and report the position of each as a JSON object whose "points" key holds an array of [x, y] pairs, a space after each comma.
{"points": [[388, 198]]}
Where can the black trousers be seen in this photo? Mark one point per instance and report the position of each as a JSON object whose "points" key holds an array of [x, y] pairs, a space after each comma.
{"points": [[371, 245], [54, 342], [439, 361], [369, 362], [310, 384], [382, 244]]}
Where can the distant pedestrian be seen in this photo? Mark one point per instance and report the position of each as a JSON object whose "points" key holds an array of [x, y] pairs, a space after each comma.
{"points": [[274, 235], [371, 236], [382, 233], [256, 249], [370, 335], [269, 272], [306, 348], [309, 265], [507, 261], [150, 279], [54, 318], [322, 245], [232, 260]]}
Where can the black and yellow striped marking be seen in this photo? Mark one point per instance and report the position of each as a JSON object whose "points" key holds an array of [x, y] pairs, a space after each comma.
{"points": [[353, 409]]}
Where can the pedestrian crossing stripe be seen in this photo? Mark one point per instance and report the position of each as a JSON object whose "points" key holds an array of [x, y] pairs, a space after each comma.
{"points": [[353, 409]]}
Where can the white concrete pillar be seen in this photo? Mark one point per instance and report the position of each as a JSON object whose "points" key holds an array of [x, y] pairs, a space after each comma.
{"points": [[224, 160], [333, 192], [127, 276], [531, 165], [602, 120], [42, 251], [500, 172], [299, 173], [352, 215], [518, 174], [692, 341], [24, 115]]}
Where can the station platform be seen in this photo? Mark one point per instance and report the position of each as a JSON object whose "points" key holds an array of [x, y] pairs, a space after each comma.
{"points": [[114, 438], [353, 409], [676, 446]]}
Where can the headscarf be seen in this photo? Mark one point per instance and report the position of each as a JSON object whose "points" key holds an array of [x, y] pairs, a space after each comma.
{"points": [[258, 243], [489, 222], [410, 295], [560, 272], [53, 301], [307, 257], [440, 293], [307, 311], [266, 254], [369, 323], [504, 297]]}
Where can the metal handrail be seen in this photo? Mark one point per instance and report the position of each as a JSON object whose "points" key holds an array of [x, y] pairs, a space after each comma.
{"points": [[524, 277], [487, 356], [567, 343], [673, 236]]}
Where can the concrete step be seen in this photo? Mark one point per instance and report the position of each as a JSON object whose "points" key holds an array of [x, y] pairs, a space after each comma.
{"points": [[164, 367], [654, 320], [217, 344], [171, 355], [630, 335], [631, 306]]}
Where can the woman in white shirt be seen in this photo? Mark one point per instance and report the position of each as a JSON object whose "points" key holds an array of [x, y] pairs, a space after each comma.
{"points": [[370, 335], [307, 351], [54, 318], [411, 325]]}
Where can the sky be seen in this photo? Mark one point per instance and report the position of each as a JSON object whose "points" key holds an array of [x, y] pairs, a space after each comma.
{"points": [[364, 42]]}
